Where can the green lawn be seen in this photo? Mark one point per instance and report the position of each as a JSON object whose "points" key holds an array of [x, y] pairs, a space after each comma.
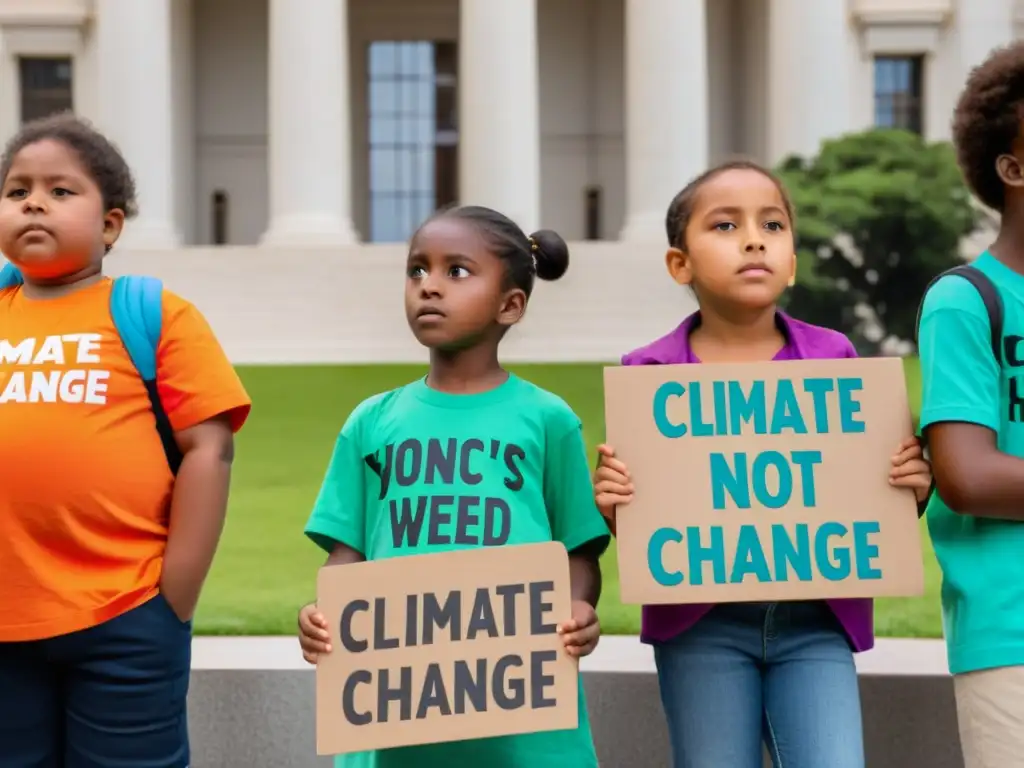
{"points": [[266, 569]]}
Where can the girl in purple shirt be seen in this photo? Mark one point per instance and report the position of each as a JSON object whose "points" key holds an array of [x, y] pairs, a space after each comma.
{"points": [[736, 675]]}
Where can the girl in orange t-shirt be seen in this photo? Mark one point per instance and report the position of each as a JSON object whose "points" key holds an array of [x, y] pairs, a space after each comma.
{"points": [[104, 547]]}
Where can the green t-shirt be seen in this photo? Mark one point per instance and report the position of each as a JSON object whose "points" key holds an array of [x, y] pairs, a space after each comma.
{"points": [[415, 470], [982, 560]]}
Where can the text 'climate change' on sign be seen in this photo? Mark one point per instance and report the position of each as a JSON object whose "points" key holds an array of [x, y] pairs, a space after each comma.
{"points": [[432, 648]]}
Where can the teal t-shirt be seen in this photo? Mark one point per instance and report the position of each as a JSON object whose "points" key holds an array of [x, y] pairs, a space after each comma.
{"points": [[982, 560], [415, 470]]}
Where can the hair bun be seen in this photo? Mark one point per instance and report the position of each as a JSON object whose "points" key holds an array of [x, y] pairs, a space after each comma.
{"points": [[552, 254]]}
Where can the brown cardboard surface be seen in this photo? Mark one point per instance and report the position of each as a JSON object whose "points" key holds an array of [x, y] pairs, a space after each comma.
{"points": [[510, 599], [849, 492]]}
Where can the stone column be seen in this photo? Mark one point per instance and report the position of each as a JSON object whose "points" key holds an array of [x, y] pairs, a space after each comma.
{"points": [[499, 113], [135, 108], [310, 155], [810, 75], [666, 109]]}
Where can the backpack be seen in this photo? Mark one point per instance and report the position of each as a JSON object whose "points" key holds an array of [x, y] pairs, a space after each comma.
{"points": [[136, 307], [989, 295]]}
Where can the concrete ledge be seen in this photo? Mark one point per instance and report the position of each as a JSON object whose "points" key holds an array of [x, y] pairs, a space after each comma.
{"points": [[251, 705]]}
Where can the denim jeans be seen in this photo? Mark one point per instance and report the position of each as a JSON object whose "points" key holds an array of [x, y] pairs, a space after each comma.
{"points": [[111, 695], [747, 673]]}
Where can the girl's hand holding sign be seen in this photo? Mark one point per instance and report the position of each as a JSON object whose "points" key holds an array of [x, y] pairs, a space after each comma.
{"points": [[581, 633], [910, 469], [313, 636], [612, 484]]}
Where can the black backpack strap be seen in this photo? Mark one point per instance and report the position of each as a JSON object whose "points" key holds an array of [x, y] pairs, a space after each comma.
{"points": [[993, 307], [989, 295]]}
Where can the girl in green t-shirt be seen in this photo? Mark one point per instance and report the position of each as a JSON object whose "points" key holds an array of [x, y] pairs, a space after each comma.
{"points": [[469, 456]]}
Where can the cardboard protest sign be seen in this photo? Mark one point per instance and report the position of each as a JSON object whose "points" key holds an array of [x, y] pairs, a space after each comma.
{"points": [[763, 482], [445, 647]]}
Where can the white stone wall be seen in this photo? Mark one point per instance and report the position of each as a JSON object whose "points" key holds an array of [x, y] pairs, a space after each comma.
{"points": [[767, 77], [346, 305]]}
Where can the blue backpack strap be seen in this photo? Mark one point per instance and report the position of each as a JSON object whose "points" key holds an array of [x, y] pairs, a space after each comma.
{"points": [[10, 276], [137, 308], [989, 295]]}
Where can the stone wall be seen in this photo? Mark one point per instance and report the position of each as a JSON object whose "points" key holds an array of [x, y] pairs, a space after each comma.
{"points": [[346, 305], [252, 705]]}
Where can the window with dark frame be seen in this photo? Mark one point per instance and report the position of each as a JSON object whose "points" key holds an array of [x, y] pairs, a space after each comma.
{"points": [[46, 86], [413, 134], [899, 92]]}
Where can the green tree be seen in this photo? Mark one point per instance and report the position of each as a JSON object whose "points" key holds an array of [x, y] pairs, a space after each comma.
{"points": [[879, 214]]}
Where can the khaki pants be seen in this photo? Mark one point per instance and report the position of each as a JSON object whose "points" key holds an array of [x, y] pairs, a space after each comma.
{"points": [[990, 712]]}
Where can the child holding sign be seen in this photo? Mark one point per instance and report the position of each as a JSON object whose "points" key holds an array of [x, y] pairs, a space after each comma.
{"points": [[520, 466], [734, 675], [972, 413]]}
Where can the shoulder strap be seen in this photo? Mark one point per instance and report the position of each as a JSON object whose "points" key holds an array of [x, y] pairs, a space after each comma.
{"points": [[136, 306], [989, 295], [10, 276], [993, 306]]}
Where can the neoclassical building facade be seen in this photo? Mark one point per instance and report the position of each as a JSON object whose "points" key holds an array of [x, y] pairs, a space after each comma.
{"points": [[294, 123]]}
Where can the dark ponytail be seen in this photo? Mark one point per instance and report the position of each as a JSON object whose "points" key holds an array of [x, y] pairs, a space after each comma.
{"points": [[543, 254], [551, 254]]}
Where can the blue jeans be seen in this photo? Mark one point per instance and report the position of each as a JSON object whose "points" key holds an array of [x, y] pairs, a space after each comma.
{"points": [[747, 673], [111, 696]]}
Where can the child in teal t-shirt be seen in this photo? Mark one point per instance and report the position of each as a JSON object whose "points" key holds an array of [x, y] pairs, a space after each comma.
{"points": [[509, 455], [973, 417]]}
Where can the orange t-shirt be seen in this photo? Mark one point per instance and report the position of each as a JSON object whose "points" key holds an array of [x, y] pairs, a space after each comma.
{"points": [[85, 488]]}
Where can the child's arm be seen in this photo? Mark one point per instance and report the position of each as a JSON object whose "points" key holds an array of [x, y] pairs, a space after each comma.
{"points": [[343, 554], [910, 469], [972, 475], [576, 522], [581, 633], [314, 637], [585, 572], [198, 508], [206, 404], [613, 486], [961, 410], [337, 524]]}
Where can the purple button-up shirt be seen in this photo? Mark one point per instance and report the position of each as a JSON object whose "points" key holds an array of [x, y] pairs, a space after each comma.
{"points": [[803, 342]]}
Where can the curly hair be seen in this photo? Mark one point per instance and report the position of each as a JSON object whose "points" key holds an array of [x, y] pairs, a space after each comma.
{"points": [[987, 120], [101, 159]]}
